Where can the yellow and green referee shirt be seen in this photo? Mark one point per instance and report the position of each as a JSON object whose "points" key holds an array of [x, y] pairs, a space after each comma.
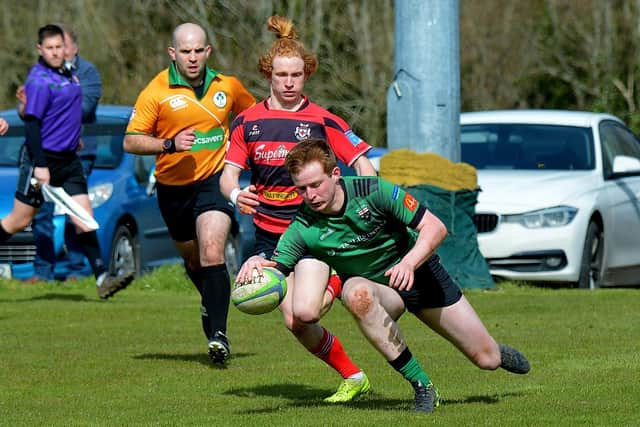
{"points": [[169, 104]]}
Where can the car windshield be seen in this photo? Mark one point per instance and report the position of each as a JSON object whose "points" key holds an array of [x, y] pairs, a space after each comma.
{"points": [[10, 145], [107, 137], [525, 146]]}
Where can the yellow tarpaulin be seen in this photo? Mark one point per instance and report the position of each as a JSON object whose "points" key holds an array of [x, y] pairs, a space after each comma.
{"points": [[408, 168]]}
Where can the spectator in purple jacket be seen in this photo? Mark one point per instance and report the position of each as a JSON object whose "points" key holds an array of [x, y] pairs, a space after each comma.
{"points": [[53, 122], [42, 225]]}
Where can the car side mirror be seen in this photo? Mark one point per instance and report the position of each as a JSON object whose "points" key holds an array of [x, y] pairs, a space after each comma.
{"points": [[151, 182], [626, 164]]}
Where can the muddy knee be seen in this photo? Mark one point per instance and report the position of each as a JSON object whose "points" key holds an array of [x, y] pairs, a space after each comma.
{"points": [[359, 299]]}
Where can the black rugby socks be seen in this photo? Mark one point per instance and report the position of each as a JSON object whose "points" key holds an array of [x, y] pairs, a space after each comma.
{"points": [[91, 248], [216, 291]]}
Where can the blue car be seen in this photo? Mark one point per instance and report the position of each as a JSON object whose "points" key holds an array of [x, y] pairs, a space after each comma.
{"points": [[132, 233]]}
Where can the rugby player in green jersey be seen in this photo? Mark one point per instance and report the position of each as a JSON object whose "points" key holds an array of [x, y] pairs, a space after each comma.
{"points": [[381, 241]]}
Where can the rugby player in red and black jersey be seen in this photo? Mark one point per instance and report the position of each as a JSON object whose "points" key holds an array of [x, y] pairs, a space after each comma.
{"points": [[261, 138]]}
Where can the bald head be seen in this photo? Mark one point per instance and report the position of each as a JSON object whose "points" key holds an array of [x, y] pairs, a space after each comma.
{"points": [[188, 32], [190, 52]]}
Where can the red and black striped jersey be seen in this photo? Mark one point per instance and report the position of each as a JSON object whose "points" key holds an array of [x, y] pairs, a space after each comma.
{"points": [[260, 141]]}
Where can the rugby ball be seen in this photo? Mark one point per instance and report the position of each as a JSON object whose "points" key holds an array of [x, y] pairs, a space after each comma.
{"points": [[263, 294]]}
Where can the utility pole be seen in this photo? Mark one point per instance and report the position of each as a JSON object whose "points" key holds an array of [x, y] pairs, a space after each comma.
{"points": [[423, 101]]}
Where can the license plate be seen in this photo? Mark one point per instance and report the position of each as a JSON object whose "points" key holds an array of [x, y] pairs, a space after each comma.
{"points": [[5, 271]]}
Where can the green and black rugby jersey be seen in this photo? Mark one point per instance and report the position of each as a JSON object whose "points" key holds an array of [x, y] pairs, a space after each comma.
{"points": [[365, 239]]}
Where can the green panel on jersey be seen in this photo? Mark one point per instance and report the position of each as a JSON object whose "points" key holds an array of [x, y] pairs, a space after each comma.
{"points": [[211, 140]]}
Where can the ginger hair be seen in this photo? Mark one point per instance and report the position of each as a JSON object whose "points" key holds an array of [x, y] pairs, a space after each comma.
{"points": [[286, 44], [309, 151]]}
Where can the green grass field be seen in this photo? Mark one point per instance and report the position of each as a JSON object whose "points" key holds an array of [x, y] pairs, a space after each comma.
{"points": [[67, 358]]}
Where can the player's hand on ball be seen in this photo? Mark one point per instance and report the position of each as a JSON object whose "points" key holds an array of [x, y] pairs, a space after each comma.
{"points": [[263, 294], [246, 273]]}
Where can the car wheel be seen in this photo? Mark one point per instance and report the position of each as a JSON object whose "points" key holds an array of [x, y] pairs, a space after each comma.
{"points": [[592, 254], [124, 256], [232, 254]]}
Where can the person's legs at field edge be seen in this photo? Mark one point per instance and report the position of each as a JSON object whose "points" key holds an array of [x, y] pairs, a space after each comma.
{"points": [[22, 214], [45, 258], [75, 256], [305, 302], [107, 285], [374, 307]]}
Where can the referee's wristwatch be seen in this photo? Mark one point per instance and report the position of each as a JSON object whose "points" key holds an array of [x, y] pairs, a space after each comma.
{"points": [[169, 146]]}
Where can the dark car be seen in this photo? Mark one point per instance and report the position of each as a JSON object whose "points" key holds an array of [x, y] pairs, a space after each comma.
{"points": [[132, 233]]}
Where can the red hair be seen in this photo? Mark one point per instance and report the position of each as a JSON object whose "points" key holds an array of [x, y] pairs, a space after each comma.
{"points": [[286, 44]]}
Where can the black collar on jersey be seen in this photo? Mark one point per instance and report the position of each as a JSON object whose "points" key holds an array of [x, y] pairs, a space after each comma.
{"points": [[62, 70], [345, 198]]}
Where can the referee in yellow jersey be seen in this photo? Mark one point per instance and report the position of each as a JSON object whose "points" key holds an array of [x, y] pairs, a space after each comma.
{"points": [[182, 117]]}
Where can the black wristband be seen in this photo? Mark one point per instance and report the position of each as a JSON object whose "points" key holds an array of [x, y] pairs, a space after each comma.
{"points": [[169, 146]]}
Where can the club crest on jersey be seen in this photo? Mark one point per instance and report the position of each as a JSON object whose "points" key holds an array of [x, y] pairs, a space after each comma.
{"points": [[364, 213], [410, 202], [220, 99], [303, 131], [177, 103]]}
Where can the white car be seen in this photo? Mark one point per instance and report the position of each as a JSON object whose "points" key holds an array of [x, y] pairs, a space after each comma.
{"points": [[560, 195]]}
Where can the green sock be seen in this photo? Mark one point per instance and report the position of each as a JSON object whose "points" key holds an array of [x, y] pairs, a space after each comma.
{"points": [[410, 368]]}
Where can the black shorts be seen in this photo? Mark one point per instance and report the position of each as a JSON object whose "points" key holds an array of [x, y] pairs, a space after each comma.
{"points": [[265, 244], [432, 287], [65, 170], [180, 205]]}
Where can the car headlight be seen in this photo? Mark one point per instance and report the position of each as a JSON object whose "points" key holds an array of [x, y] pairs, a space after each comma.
{"points": [[99, 194], [551, 217]]}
